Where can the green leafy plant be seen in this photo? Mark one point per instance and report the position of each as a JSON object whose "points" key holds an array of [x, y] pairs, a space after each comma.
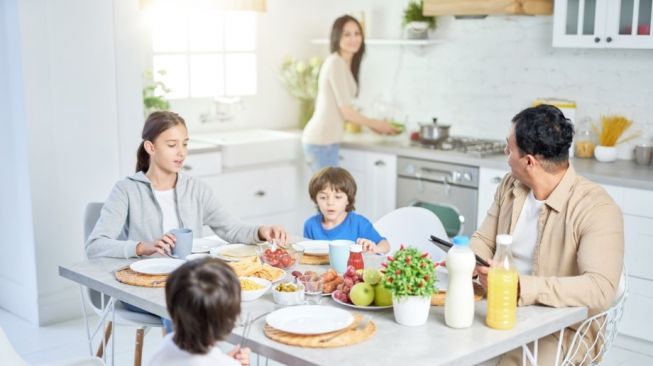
{"points": [[154, 93], [414, 12], [409, 273], [300, 79]]}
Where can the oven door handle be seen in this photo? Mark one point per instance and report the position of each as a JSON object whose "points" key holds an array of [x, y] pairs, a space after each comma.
{"points": [[442, 176]]}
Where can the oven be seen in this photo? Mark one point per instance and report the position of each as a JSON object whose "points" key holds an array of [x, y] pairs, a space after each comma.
{"points": [[448, 190]]}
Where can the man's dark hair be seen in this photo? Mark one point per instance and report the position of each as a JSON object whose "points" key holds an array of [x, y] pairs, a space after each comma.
{"points": [[544, 132], [203, 299]]}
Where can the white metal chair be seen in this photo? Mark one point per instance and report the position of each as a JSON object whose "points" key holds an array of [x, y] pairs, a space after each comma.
{"points": [[412, 226], [9, 356], [105, 306], [606, 323]]}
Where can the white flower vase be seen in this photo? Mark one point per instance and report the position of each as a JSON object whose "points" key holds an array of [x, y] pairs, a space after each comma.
{"points": [[605, 154], [411, 310]]}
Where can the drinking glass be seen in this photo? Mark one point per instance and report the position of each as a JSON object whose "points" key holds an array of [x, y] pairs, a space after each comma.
{"points": [[312, 289]]}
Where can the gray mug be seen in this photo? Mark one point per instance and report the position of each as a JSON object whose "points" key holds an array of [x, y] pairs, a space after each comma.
{"points": [[643, 154], [183, 242]]}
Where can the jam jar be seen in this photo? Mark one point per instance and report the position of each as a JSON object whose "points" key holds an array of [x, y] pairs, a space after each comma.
{"points": [[356, 257]]}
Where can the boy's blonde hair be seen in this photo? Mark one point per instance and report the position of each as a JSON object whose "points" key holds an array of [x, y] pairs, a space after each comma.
{"points": [[339, 179]]}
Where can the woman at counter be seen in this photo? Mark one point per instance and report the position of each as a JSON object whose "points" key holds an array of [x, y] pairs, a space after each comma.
{"points": [[337, 87]]}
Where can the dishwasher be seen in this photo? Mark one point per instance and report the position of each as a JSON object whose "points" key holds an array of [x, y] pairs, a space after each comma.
{"points": [[448, 190]]}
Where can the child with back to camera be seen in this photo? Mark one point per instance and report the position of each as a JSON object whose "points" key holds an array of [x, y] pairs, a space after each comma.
{"points": [[203, 299], [333, 190]]}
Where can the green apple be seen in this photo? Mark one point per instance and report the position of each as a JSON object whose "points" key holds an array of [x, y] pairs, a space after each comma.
{"points": [[371, 276], [362, 294], [382, 296]]}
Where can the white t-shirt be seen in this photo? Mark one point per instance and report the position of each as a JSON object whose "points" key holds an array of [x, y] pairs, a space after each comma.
{"points": [[171, 355], [525, 234], [168, 205]]}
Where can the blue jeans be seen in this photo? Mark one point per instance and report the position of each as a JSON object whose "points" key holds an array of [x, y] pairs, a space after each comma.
{"points": [[167, 323], [320, 156]]}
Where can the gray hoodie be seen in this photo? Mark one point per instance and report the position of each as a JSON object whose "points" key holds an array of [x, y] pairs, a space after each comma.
{"points": [[132, 214]]}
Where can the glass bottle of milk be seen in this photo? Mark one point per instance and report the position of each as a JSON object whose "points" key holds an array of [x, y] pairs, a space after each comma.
{"points": [[459, 301]]}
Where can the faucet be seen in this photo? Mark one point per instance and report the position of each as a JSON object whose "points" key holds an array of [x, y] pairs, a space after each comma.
{"points": [[223, 109]]}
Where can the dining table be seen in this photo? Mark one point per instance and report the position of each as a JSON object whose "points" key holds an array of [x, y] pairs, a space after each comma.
{"points": [[432, 343]]}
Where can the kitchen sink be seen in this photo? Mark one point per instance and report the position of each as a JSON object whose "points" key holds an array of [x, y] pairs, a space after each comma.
{"points": [[252, 147]]}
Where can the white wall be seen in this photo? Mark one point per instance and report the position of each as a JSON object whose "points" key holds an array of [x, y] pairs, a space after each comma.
{"points": [[18, 290], [70, 82]]}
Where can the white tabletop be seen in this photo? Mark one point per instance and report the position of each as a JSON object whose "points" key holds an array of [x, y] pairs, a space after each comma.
{"points": [[432, 344]]}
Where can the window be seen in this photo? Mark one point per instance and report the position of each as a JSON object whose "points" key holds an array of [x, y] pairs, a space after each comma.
{"points": [[204, 52]]}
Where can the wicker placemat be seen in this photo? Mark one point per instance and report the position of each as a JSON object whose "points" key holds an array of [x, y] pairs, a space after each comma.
{"points": [[126, 275], [315, 259], [349, 337], [437, 299]]}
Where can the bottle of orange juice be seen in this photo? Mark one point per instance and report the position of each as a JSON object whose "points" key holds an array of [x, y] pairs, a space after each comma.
{"points": [[502, 287]]}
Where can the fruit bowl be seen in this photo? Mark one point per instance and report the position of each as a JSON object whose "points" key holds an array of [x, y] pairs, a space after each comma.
{"points": [[280, 257]]}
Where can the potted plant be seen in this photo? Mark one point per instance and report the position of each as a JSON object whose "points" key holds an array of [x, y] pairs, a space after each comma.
{"points": [[417, 25], [154, 93], [410, 276], [612, 127], [300, 78]]}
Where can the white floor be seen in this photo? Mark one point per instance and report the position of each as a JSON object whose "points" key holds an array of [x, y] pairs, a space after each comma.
{"points": [[67, 340]]}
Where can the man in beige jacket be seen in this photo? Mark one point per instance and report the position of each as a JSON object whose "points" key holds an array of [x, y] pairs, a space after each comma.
{"points": [[568, 238]]}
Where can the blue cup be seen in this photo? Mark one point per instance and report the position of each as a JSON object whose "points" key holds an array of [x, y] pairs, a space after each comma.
{"points": [[339, 254], [183, 242]]}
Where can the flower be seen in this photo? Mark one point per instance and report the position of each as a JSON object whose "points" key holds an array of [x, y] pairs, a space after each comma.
{"points": [[409, 273], [300, 77]]}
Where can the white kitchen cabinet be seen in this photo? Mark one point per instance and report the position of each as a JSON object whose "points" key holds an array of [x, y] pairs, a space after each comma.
{"points": [[603, 23], [376, 179], [638, 235], [488, 181]]}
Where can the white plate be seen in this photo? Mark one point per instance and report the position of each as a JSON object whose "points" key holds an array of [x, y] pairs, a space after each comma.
{"points": [[221, 251], [156, 266], [309, 319], [315, 247], [203, 245], [371, 307]]}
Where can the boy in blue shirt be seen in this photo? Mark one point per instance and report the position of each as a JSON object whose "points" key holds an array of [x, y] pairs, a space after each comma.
{"points": [[334, 192]]}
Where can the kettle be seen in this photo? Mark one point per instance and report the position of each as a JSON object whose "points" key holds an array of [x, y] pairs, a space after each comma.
{"points": [[432, 132]]}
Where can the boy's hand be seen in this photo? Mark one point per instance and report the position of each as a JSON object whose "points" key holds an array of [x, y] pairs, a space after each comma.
{"points": [[368, 245], [276, 233], [241, 355]]}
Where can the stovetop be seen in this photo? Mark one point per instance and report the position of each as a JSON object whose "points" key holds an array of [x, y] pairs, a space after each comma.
{"points": [[468, 145]]}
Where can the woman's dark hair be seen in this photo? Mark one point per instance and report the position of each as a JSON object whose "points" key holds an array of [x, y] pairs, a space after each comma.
{"points": [[155, 124], [203, 300], [543, 131], [339, 179], [336, 34]]}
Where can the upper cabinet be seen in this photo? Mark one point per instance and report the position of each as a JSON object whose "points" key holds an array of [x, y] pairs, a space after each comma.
{"points": [[486, 7], [602, 23]]}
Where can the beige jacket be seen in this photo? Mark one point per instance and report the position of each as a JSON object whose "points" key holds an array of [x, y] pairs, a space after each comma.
{"points": [[579, 253], [336, 88]]}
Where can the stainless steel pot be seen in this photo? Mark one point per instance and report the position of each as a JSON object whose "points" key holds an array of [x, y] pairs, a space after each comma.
{"points": [[430, 132]]}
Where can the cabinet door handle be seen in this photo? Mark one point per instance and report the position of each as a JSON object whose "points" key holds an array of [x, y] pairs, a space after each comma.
{"points": [[379, 163], [496, 180], [187, 168], [597, 39], [609, 39], [259, 193]]}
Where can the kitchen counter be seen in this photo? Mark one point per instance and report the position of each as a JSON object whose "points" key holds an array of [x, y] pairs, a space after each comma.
{"points": [[623, 173]]}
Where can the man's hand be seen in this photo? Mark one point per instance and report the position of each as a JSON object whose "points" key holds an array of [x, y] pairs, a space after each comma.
{"points": [[481, 272], [163, 245], [276, 233], [241, 355]]}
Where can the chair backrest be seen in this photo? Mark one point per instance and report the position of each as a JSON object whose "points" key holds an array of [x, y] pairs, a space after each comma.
{"points": [[412, 226], [8, 355], [581, 352], [91, 216]]}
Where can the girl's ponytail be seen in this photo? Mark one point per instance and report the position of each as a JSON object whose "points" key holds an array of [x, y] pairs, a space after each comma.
{"points": [[142, 159]]}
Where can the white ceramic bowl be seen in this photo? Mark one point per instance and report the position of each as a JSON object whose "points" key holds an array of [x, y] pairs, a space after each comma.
{"points": [[605, 154], [251, 295], [289, 298]]}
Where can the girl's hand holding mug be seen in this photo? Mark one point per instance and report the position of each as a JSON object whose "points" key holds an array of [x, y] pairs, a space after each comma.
{"points": [[163, 245]]}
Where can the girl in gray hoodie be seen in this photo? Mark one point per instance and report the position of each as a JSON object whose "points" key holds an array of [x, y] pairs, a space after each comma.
{"points": [[138, 215]]}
